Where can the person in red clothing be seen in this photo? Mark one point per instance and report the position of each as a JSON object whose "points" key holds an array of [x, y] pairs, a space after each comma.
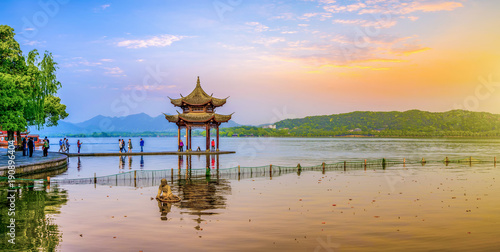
{"points": [[213, 145]]}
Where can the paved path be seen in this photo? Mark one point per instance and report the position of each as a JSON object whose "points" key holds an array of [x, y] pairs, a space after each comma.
{"points": [[149, 153], [25, 160]]}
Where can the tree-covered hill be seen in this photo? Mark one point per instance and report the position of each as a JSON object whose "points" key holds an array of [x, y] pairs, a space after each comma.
{"points": [[364, 123]]}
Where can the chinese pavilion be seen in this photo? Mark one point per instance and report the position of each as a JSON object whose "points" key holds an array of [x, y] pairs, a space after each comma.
{"points": [[198, 111]]}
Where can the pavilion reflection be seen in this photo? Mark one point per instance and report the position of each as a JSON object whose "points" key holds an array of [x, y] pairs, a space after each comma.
{"points": [[201, 195]]}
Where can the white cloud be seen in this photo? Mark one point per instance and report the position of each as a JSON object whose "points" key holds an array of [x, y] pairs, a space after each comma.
{"points": [[105, 6], [156, 41], [367, 23], [257, 27], [269, 41], [140, 60], [115, 71], [33, 42], [107, 60]]}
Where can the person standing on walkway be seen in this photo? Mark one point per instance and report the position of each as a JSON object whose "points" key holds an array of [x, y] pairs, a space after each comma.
{"points": [[213, 145], [60, 145], [142, 145], [67, 145], [120, 145], [31, 146], [25, 145], [45, 147], [129, 145], [48, 143], [79, 145], [181, 146]]}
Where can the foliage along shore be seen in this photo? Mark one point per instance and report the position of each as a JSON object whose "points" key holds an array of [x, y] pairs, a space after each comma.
{"points": [[408, 124]]}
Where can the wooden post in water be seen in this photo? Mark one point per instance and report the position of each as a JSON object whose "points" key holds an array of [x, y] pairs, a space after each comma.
{"points": [[404, 162], [345, 164], [171, 175], [423, 161], [323, 167], [470, 161], [135, 178], [271, 171], [95, 178], [495, 161], [239, 173], [365, 164]]}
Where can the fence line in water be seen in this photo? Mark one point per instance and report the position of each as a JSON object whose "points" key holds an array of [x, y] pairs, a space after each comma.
{"points": [[139, 178]]}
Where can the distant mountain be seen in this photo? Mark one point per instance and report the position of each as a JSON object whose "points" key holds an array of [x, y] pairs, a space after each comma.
{"points": [[131, 123], [411, 120], [411, 123]]}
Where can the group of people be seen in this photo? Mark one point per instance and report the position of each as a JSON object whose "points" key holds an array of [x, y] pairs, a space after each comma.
{"points": [[64, 145], [28, 146], [123, 148]]}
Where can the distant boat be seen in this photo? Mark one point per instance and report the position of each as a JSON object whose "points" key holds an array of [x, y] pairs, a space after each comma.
{"points": [[4, 138]]}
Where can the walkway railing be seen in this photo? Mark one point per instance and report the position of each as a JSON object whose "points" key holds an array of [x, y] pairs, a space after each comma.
{"points": [[138, 178]]}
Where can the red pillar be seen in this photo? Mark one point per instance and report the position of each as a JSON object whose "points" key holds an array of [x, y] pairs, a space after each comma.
{"points": [[178, 137], [207, 137], [217, 137], [187, 138], [190, 141]]}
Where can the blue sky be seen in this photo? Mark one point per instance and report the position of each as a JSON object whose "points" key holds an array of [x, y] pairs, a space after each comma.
{"points": [[275, 59]]}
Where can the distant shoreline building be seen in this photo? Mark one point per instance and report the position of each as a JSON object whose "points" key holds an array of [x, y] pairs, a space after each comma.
{"points": [[198, 111], [271, 126]]}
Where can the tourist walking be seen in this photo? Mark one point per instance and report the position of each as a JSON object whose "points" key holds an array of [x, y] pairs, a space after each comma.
{"points": [[64, 145], [79, 145], [124, 149], [60, 145], [129, 145], [213, 145], [67, 145], [120, 145], [25, 145], [31, 146], [142, 145], [181, 146]]}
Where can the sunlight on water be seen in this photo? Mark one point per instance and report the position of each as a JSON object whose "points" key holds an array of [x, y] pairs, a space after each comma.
{"points": [[413, 209], [410, 207]]}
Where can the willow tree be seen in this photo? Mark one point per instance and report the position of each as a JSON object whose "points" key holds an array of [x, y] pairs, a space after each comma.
{"points": [[28, 86]]}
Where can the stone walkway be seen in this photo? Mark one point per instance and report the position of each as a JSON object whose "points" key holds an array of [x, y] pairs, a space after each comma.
{"points": [[25, 160]]}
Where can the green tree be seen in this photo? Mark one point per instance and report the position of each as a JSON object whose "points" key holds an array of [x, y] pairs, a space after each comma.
{"points": [[31, 85]]}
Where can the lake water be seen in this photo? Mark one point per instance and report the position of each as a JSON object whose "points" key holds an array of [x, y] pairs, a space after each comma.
{"points": [[411, 207]]}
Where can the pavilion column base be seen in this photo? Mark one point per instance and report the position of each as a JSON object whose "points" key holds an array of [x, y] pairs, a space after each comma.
{"points": [[217, 150]]}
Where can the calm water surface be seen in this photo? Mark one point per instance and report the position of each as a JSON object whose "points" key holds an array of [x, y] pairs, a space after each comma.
{"points": [[412, 207]]}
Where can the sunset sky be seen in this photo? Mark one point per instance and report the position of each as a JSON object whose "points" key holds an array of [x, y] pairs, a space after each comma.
{"points": [[275, 59]]}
